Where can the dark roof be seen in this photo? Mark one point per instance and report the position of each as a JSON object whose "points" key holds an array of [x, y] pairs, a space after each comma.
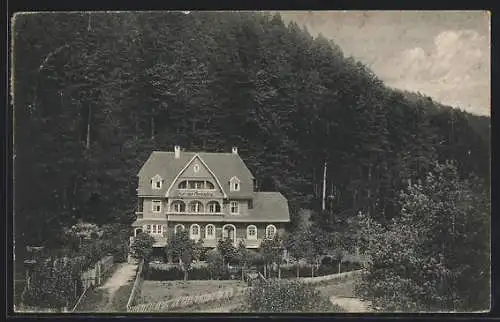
{"points": [[223, 165], [267, 207]]}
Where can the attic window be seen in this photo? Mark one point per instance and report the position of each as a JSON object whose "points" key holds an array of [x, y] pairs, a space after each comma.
{"points": [[196, 168], [234, 184], [156, 182]]}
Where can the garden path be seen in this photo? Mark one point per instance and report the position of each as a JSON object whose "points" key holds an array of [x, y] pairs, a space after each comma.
{"points": [[351, 305], [124, 274]]}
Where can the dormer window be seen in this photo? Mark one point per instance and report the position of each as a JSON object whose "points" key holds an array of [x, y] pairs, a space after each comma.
{"points": [[156, 182], [234, 184]]}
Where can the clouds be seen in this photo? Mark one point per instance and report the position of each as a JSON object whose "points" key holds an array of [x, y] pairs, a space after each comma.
{"points": [[455, 71], [443, 54]]}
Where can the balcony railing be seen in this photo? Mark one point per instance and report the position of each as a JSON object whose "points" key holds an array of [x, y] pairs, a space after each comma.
{"points": [[204, 213]]}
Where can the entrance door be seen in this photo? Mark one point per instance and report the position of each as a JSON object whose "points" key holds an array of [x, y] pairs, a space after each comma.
{"points": [[229, 232]]}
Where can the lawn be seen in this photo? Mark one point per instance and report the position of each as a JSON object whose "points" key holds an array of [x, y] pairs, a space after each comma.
{"points": [[156, 291]]}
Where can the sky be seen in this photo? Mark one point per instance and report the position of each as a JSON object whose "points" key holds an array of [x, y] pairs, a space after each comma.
{"points": [[442, 54]]}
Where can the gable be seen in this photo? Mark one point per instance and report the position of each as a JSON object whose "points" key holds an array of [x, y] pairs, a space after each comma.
{"points": [[202, 171], [196, 170]]}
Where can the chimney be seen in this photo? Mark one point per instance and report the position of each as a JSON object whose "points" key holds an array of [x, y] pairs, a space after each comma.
{"points": [[177, 152], [235, 150]]}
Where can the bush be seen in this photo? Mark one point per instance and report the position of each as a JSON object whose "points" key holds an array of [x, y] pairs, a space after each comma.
{"points": [[281, 296]]}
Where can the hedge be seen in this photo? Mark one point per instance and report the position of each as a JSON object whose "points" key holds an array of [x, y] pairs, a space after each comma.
{"points": [[175, 273], [164, 273]]}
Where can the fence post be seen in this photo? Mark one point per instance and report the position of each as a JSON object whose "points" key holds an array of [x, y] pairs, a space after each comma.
{"points": [[98, 273]]}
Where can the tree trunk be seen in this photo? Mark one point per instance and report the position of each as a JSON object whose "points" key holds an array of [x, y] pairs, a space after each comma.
{"points": [[87, 144], [265, 271], [339, 266], [279, 272], [323, 200], [312, 270], [185, 274], [298, 271], [242, 274], [152, 127]]}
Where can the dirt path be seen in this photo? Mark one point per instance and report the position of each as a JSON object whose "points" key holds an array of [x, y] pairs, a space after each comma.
{"points": [[123, 275], [351, 305]]}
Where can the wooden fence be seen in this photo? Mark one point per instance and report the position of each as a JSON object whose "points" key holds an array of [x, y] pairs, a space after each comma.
{"points": [[136, 289], [332, 277], [95, 275]]}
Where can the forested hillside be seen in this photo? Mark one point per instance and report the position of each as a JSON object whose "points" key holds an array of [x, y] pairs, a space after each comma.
{"points": [[95, 93]]}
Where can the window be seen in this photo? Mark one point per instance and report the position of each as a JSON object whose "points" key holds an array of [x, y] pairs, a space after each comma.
{"points": [[213, 206], [252, 232], [156, 205], [270, 231], [156, 182], [234, 207], [196, 168], [234, 184], [154, 229], [210, 185], [182, 185], [178, 228], [195, 206], [210, 231], [195, 231], [178, 206]]}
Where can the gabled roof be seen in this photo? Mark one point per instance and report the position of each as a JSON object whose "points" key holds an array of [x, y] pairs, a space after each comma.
{"points": [[223, 165]]}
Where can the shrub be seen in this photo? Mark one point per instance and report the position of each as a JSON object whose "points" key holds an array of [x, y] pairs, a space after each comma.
{"points": [[54, 284], [281, 296], [142, 247]]}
